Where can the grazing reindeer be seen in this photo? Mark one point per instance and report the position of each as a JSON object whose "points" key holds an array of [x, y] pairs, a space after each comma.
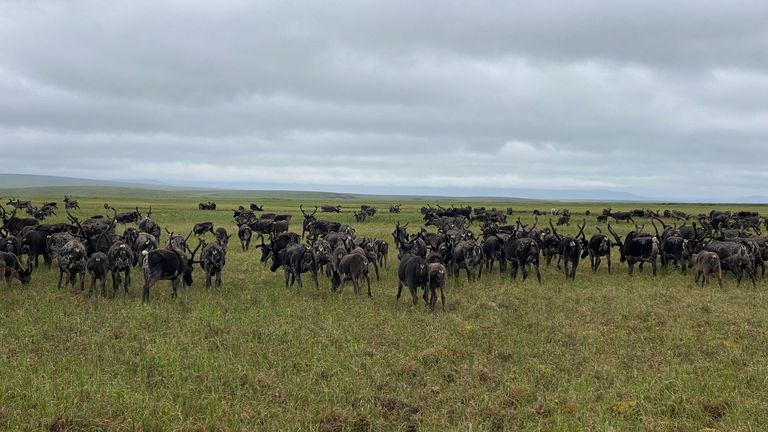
{"points": [[10, 267], [244, 233], [202, 228], [599, 246], [13, 225], [121, 259], [34, 244], [330, 209], [72, 262], [129, 217], [172, 265], [368, 210], [98, 267], [395, 208], [360, 216], [56, 241], [734, 257], [70, 204], [212, 261], [638, 247], [11, 244], [467, 255], [618, 216], [297, 259], [706, 264], [354, 266], [520, 253]]}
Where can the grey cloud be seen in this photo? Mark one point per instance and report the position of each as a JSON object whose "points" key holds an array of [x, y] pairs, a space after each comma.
{"points": [[486, 94]]}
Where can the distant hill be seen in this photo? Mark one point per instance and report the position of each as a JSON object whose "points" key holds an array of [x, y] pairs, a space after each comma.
{"points": [[14, 181], [40, 185]]}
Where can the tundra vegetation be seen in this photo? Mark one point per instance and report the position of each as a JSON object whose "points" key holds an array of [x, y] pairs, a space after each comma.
{"points": [[601, 351]]}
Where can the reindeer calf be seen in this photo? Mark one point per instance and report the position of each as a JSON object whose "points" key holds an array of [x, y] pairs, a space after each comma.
{"points": [[98, 267], [706, 264]]}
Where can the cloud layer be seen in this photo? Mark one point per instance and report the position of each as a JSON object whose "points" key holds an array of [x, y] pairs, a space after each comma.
{"points": [[661, 99]]}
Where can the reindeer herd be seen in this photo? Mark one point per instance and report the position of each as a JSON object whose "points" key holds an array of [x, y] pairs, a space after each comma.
{"points": [[445, 244]]}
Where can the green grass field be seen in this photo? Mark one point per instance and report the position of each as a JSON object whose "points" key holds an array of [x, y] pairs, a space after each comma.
{"points": [[606, 352]]}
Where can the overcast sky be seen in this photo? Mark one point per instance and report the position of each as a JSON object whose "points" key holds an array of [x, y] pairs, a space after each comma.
{"points": [[661, 99]]}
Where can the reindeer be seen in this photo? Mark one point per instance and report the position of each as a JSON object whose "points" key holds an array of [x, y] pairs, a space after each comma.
{"points": [[619, 216], [638, 247], [98, 267], [706, 264], [244, 233], [354, 267], [97, 233], [436, 275], [412, 272], [70, 204], [172, 265], [72, 262], [308, 219], [330, 209], [147, 225], [360, 216], [129, 217], [55, 241], [598, 246], [10, 267], [13, 225], [569, 250], [520, 253], [212, 261], [121, 259], [202, 227]]}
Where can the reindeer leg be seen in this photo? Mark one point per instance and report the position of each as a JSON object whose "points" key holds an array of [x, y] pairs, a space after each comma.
{"points": [[538, 272], [127, 279], [442, 297], [356, 285], [414, 295]]}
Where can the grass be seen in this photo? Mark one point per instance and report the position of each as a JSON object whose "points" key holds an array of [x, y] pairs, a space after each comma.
{"points": [[606, 352]]}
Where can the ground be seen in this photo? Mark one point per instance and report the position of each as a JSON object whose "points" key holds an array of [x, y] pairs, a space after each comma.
{"points": [[606, 352]]}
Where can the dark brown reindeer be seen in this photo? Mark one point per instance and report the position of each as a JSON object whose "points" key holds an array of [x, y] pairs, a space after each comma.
{"points": [[172, 265]]}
